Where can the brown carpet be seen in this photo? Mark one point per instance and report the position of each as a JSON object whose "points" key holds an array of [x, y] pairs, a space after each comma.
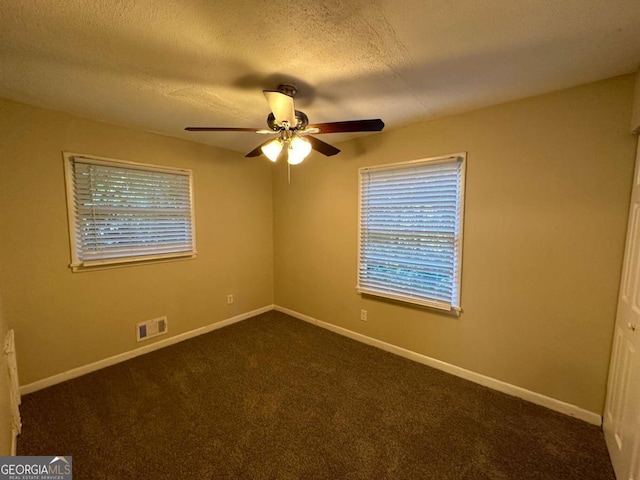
{"points": [[273, 397]]}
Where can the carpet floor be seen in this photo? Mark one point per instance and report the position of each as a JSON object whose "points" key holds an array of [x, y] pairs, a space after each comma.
{"points": [[273, 397]]}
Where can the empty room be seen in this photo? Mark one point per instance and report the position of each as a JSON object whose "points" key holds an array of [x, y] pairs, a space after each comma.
{"points": [[320, 240]]}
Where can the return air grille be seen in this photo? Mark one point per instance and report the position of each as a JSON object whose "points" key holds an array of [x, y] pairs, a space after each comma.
{"points": [[151, 328]]}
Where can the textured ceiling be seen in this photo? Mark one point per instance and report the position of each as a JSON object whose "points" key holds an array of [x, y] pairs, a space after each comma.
{"points": [[162, 65]]}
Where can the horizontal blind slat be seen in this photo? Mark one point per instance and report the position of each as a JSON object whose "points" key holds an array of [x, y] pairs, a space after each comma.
{"points": [[125, 212], [408, 230]]}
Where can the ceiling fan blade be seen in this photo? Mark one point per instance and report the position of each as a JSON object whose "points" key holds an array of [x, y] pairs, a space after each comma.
{"points": [[220, 129], [256, 152], [282, 106], [321, 146], [307, 131], [372, 125]]}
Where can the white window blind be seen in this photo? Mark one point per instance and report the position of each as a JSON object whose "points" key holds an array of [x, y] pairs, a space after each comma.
{"points": [[127, 212], [411, 231]]}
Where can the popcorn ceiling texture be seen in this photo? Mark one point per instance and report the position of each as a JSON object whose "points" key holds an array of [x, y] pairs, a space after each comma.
{"points": [[162, 65]]}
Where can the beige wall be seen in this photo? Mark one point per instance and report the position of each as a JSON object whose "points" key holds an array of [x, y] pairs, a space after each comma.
{"points": [[548, 181], [547, 191], [635, 120], [65, 320], [6, 430]]}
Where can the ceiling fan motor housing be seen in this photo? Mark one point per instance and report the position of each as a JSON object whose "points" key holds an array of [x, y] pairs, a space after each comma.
{"points": [[287, 89], [301, 121]]}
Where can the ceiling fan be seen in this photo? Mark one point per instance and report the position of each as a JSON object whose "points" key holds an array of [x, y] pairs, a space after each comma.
{"points": [[291, 127]]}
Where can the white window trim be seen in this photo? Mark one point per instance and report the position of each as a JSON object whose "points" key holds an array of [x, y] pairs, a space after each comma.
{"points": [[455, 307], [78, 265]]}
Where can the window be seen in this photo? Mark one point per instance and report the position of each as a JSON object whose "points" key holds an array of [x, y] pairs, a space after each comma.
{"points": [[121, 212], [410, 232]]}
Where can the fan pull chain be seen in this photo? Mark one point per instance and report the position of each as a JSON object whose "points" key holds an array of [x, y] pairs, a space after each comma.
{"points": [[289, 173]]}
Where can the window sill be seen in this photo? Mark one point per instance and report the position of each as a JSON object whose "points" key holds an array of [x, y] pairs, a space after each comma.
{"points": [[91, 266], [430, 304]]}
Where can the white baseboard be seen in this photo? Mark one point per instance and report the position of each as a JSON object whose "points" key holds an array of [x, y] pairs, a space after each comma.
{"points": [[92, 367], [14, 442], [533, 397]]}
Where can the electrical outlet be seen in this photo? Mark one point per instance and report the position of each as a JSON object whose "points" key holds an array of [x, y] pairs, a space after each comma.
{"points": [[363, 315], [229, 299]]}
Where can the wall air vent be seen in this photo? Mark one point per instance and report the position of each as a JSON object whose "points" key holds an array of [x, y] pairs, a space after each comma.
{"points": [[151, 328]]}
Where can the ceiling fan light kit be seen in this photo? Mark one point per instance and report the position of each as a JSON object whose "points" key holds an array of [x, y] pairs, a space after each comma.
{"points": [[295, 148], [294, 141], [272, 149]]}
